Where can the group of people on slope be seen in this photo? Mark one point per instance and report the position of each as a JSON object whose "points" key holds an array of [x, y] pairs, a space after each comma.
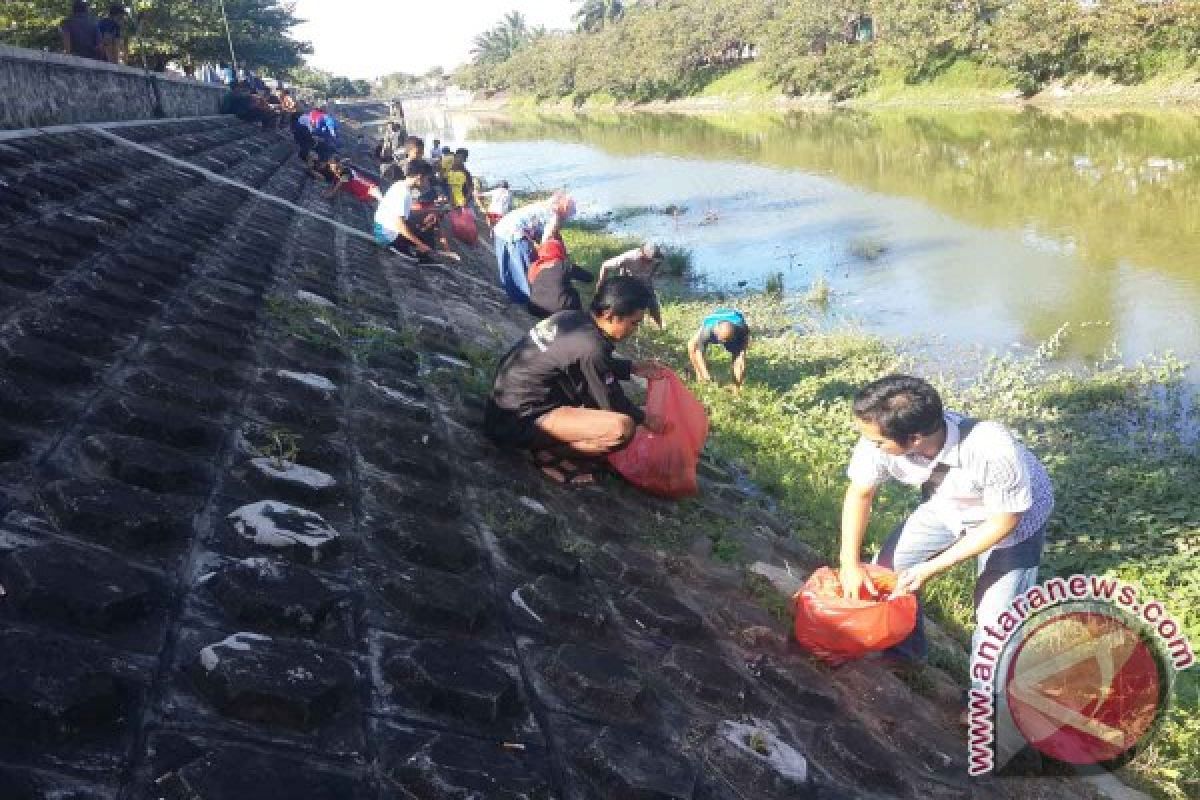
{"points": [[420, 193], [557, 394]]}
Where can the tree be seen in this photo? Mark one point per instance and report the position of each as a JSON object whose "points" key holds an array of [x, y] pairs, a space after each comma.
{"points": [[186, 32], [497, 44], [595, 14]]}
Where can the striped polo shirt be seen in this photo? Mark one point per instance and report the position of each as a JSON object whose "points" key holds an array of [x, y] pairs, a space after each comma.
{"points": [[990, 472]]}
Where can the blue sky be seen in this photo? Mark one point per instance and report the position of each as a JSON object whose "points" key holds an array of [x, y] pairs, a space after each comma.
{"points": [[364, 39]]}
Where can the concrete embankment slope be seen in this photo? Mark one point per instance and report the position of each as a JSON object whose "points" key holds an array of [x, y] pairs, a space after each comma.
{"points": [[254, 545]]}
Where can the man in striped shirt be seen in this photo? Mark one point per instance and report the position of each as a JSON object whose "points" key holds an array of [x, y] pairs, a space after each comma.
{"points": [[984, 496]]}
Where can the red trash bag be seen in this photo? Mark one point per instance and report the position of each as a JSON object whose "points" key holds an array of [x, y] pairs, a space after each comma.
{"points": [[836, 629], [664, 464], [462, 225]]}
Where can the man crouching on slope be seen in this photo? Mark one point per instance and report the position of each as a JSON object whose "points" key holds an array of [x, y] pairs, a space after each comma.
{"points": [[983, 496], [557, 391]]}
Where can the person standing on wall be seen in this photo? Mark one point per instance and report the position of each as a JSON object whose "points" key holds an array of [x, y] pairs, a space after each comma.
{"points": [[112, 39], [79, 34]]}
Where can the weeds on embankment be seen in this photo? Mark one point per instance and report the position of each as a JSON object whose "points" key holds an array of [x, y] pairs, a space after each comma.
{"points": [[1125, 478]]}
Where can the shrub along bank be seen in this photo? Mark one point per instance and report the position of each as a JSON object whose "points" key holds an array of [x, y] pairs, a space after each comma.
{"points": [[1125, 478], [654, 51]]}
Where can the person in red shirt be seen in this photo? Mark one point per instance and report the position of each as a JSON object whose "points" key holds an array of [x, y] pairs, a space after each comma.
{"points": [[346, 179]]}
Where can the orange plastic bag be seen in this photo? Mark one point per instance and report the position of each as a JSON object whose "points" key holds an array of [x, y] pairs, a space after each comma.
{"points": [[836, 629], [664, 464], [462, 225]]}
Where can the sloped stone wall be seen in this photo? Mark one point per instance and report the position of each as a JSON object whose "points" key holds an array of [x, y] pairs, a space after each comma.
{"points": [[39, 89]]}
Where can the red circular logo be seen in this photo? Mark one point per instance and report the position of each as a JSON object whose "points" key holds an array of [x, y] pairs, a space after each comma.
{"points": [[1085, 687]]}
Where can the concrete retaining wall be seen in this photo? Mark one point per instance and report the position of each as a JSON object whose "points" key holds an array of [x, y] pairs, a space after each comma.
{"points": [[39, 89]]}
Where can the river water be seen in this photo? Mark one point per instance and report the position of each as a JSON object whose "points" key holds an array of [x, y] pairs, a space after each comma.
{"points": [[979, 230]]}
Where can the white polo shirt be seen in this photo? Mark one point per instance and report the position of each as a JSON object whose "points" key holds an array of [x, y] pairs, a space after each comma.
{"points": [[991, 472]]}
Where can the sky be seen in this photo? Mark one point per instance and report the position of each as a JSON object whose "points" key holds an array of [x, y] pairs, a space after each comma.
{"points": [[365, 38]]}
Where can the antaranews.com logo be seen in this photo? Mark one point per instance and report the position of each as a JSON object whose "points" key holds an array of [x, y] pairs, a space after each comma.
{"points": [[1079, 668]]}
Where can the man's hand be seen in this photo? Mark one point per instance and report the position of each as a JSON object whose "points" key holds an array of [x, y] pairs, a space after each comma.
{"points": [[913, 578], [655, 423], [854, 577]]}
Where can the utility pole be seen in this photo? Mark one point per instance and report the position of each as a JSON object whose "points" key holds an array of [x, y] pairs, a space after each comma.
{"points": [[229, 37]]}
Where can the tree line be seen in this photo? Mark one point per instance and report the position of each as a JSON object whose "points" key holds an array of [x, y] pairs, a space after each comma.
{"points": [[659, 49], [189, 33]]}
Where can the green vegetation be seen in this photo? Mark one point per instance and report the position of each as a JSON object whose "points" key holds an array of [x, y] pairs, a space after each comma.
{"points": [[186, 32], [658, 51], [1125, 479]]}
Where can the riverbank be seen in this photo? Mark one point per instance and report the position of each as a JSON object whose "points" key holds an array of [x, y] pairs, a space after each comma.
{"points": [[962, 86], [1126, 504]]}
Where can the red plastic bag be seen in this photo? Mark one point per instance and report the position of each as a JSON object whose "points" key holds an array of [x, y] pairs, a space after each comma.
{"points": [[462, 225], [664, 464], [836, 629]]}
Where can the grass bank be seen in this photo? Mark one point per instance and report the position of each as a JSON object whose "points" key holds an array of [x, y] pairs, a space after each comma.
{"points": [[962, 84], [1126, 483]]}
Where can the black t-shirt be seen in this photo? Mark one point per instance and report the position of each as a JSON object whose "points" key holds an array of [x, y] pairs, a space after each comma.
{"points": [[81, 31], [564, 360], [551, 291]]}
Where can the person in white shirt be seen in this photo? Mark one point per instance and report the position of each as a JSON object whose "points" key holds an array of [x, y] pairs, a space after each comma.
{"points": [[984, 496], [499, 202], [391, 217], [642, 263]]}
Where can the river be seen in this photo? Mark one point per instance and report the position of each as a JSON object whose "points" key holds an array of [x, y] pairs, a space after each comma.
{"points": [[979, 230]]}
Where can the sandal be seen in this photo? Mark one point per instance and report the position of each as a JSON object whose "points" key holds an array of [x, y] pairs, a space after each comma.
{"points": [[569, 478]]}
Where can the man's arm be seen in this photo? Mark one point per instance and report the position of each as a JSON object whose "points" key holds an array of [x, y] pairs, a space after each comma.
{"points": [[404, 230], [66, 40], [981, 538], [856, 514], [696, 356], [739, 366], [606, 397], [552, 229]]}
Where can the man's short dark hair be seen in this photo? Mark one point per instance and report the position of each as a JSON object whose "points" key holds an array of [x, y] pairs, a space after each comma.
{"points": [[116, 9], [623, 295], [415, 141], [901, 405], [79, 7], [417, 167], [462, 151]]}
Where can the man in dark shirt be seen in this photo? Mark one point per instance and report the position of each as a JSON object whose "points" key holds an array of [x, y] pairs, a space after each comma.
{"points": [[79, 35], [550, 277], [557, 391]]}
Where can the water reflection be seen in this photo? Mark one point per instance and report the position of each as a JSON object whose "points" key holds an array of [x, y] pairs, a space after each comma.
{"points": [[995, 227]]}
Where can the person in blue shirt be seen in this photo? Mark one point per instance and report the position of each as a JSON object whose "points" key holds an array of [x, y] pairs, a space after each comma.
{"points": [[726, 327]]}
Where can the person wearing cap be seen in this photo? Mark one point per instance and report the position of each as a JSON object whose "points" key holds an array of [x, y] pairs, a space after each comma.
{"points": [[726, 327], [550, 281], [641, 262], [520, 232]]}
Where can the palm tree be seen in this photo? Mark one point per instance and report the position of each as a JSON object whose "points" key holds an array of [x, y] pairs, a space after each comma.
{"points": [[593, 15], [498, 43]]}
